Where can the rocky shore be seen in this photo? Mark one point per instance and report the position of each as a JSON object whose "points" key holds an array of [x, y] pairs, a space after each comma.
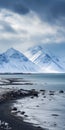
{"points": [[7, 119], [44, 109], [16, 94]]}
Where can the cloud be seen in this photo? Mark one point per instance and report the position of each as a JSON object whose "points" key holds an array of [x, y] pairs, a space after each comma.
{"points": [[50, 10], [26, 23], [5, 27], [47, 9], [14, 5], [19, 8], [24, 31]]}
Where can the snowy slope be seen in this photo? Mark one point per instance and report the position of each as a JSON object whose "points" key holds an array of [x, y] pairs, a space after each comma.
{"points": [[45, 59], [12, 61], [39, 60]]}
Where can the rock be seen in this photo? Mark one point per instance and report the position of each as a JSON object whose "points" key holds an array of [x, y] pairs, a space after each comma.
{"points": [[2, 123], [61, 91], [39, 127], [37, 106], [44, 97], [22, 113], [55, 124], [36, 94], [33, 92], [42, 129], [43, 93], [42, 90], [51, 92], [6, 124], [14, 109], [26, 115], [55, 115], [32, 97]]}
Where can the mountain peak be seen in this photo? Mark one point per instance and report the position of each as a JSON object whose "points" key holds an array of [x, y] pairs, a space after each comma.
{"points": [[12, 51], [14, 61], [45, 59]]}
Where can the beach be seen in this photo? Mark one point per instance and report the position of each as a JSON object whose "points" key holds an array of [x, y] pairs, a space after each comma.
{"points": [[9, 121], [33, 109], [7, 97], [13, 122]]}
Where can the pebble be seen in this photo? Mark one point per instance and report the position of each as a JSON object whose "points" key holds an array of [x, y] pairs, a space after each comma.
{"points": [[4, 125]]}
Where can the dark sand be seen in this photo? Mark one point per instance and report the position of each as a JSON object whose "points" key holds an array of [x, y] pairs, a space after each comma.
{"points": [[14, 122], [5, 111]]}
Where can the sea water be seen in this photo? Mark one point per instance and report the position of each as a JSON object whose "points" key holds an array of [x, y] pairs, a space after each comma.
{"points": [[46, 81]]}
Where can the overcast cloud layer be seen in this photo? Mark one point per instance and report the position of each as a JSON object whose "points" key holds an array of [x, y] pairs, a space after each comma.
{"points": [[26, 23]]}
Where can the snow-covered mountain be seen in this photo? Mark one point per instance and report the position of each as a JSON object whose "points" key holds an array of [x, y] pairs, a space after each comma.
{"points": [[37, 59], [13, 61], [45, 59]]}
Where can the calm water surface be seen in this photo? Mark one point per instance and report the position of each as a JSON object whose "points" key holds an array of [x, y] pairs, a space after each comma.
{"points": [[40, 81]]}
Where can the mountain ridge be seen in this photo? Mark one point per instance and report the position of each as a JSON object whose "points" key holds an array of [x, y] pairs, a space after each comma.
{"points": [[35, 60], [13, 61], [45, 59]]}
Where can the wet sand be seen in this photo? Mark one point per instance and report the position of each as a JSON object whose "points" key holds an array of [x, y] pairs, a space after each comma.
{"points": [[14, 122]]}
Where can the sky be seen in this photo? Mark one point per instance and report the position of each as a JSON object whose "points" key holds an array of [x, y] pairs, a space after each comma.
{"points": [[29, 23]]}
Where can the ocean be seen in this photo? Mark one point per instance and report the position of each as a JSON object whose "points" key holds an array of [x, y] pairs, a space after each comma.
{"points": [[45, 81]]}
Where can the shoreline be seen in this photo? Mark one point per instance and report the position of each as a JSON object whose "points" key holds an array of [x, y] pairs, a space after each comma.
{"points": [[10, 96], [15, 123]]}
